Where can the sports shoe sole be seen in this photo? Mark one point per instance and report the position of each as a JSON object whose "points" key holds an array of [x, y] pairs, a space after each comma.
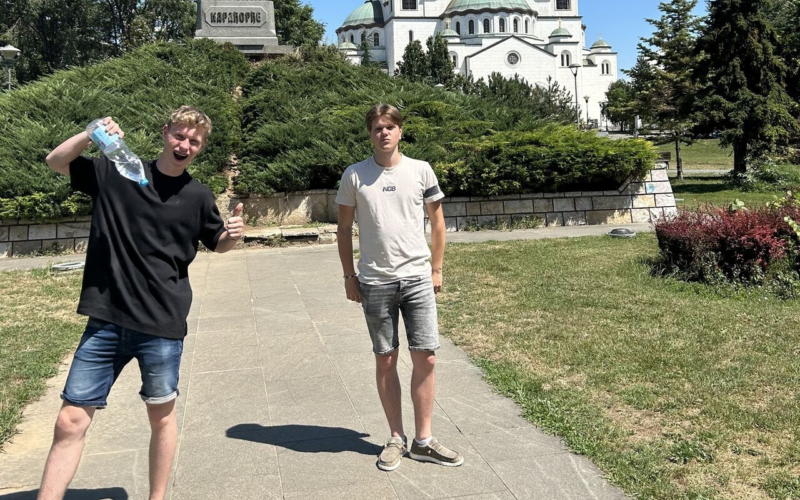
{"points": [[388, 468], [425, 458]]}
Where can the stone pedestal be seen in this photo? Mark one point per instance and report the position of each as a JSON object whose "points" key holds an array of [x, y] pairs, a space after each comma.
{"points": [[247, 24]]}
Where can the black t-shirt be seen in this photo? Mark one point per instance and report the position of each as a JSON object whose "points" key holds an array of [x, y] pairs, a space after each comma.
{"points": [[141, 244]]}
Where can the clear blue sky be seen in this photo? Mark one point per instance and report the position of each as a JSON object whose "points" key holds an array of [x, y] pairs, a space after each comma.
{"points": [[622, 22]]}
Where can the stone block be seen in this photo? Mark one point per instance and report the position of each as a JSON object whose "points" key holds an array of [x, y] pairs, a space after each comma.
{"points": [[487, 220], [564, 205], [451, 224], [504, 197], [554, 195], [454, 209], [555, 220], [543, 205], [636, 188], [612, 192], [530, 196], [665, 200], [83, 218], [491, 207], [262, 210], [574, 218], [473, 208], [583, 203], [59, 244], [479, 198], [611, 202], [18, 233], [459, 199], [644, 201], [659, 188], [608, 217], [5, 250], [572, 194], [659, 175], [640, 215], [42, 232], [518, 206], [74, 229], [461, 222], [504, 220], [592, 193], [3, 233], [81, 244], [669, 212], [25, 247]]}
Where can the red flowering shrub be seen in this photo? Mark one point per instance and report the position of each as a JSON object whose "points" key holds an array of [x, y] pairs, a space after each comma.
{"points": [[739, 245]]}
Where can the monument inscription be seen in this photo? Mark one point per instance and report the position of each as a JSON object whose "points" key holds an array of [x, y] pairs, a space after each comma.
{"points": [[247, 24]]}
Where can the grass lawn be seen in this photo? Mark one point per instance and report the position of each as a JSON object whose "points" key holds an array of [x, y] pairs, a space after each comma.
{"points": [[704, 154], [674, 390], [38, 326], [695, 191]]}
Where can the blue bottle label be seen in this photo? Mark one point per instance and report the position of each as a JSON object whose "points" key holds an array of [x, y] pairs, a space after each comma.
{"points": [[102, 139]]}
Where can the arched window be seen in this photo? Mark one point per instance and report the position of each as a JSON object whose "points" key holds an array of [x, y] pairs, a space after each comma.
{"points": [[455, 60], [566, 59], [472, 27], [606, 68], [502, 25], [410, 36], [376, 39], [516, 25], [363, 37], [458, 28], [352, 40], [487, 27], [409, 4], [527, 25]]}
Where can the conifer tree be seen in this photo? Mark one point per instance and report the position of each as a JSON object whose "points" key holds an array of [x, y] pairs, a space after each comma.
{"points": [[414, 66], [441, 66], [295, 23], [366, 53], [743, 76]]}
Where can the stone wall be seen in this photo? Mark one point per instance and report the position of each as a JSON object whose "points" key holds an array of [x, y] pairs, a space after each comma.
{"points": [[23, 237]]}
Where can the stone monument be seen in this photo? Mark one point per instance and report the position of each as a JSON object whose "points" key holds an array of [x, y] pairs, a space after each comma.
{"points": [[247, 24]]}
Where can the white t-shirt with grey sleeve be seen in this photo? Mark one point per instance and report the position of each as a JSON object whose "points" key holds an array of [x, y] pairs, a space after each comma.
{"points": [[390, 209]]}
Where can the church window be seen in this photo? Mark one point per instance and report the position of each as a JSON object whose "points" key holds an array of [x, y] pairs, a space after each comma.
{"points": [[513, 59], [527, 25], [376, 39], [458, 28], [487, 28], [566, 59], [502, 25], [472, 27], [409, 4], [455, 60], [606, 68], [352, 40], [516, 25], [410, 36], [363, 37], [563, 5]]}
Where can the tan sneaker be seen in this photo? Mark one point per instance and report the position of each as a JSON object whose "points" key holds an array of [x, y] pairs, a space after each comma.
{"points": [[393, 451], [435, 452]]}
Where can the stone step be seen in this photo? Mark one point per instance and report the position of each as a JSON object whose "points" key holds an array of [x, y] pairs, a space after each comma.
{"points": [[283, 235]]}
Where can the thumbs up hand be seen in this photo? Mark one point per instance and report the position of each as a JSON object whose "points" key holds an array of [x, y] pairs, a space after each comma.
{"points": [[235, 225]]}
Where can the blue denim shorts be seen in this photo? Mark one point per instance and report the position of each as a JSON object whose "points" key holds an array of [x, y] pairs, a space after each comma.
{"points": [[416, 300], [103, 352]]}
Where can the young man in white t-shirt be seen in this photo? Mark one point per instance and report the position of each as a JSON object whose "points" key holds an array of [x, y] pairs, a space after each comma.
{"points": [[389, 193]]}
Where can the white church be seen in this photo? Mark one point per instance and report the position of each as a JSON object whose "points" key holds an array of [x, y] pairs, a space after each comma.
{"points": [[534, 39]]}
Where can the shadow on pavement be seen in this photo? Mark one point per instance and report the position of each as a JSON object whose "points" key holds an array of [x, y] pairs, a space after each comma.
{"points": [[306, 438], [99, 494]]}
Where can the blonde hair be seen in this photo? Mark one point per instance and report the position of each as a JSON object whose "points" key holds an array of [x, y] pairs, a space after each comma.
{"points": [[380, 110], [191, 117]]}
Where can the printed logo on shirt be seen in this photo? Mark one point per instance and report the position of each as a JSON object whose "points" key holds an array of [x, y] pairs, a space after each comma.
{"points": [[390, 189]]}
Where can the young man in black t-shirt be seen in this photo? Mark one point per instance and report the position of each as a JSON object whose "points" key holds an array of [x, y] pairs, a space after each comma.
{"points": [[136, 289]]}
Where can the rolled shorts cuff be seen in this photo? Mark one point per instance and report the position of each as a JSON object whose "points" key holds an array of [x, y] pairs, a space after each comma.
{"points": [[384, 353], [99, 404], [418, 348], [160, 400]]}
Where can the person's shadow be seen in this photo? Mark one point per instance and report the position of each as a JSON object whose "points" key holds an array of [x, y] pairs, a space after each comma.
{"points": [[306, 438], [98, 494]]}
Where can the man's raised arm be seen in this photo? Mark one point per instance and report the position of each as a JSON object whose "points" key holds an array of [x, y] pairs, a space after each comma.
{"points": [[65, 153]]}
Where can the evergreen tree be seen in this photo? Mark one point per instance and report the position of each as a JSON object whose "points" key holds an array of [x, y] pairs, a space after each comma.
{"points": [[366, 53], [441, 66], [295, 24], [620, 108], [414, 66], [671, 55], [785, 16], [643, 86], [744, 95]]}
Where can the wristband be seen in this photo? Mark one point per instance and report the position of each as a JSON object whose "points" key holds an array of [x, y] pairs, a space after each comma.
{"points": [[349, 276]]}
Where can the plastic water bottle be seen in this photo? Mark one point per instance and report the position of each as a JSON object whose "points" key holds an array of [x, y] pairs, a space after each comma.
{"points": [[127, 163]]}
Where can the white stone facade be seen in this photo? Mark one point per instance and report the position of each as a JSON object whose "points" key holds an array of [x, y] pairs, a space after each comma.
{"points": [[535, 39]]}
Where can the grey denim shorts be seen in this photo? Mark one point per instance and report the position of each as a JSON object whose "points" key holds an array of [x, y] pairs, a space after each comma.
{"points": [[415, 299]]}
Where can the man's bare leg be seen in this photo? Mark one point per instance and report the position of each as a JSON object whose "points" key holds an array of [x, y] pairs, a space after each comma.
{"points": [[69, 437], [163, 441], [389, 390], [423, 387]]}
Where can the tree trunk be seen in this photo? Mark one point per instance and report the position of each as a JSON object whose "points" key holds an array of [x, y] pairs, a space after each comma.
{"points": [[678, 159], [740, 157]]}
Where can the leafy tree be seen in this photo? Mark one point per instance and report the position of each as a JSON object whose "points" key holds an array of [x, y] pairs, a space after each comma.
{"points": [[415, 65], [671, 55], [441, 66], [295, 24], [744, 94], [621, 105], [171, 20]]}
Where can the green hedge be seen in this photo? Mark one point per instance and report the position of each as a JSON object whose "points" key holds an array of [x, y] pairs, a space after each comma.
{"points": [[303, 124], [139, 91]]}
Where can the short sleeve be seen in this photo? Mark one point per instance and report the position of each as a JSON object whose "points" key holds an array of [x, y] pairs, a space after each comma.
{"points": [[347, 189], [432, 191], [212, 227], [87, 174]]}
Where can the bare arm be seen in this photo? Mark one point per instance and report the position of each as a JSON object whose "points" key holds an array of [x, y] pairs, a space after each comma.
{"points": [[344, 240], [438, 232], [65, 153], [234, 230]]}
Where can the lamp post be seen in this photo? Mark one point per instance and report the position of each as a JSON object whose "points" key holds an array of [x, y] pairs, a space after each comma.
{"points": [[603, 115], [574, 68], [586, 98], [9, 53]]}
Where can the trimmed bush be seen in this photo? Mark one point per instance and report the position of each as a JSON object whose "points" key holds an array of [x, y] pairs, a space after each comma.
{"points": [[303, 124], [139, 91]]}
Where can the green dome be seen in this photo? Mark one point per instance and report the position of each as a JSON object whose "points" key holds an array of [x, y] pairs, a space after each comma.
{"points": [[560, 32], [347, 46], [448, 33], [369, 14], [465, 6], [601, 44]]}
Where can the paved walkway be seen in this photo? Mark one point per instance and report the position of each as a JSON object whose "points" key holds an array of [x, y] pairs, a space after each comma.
{"points": [[278, 400]]}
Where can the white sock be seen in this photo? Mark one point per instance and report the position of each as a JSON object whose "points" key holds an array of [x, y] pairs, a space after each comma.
{"points": [[424, 442]]}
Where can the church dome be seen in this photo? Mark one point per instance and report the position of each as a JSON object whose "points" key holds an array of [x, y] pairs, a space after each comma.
{"points": [[448, 33], [601, 44], [369, 14], [347, 46], [473, 6], [560, 32]]}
